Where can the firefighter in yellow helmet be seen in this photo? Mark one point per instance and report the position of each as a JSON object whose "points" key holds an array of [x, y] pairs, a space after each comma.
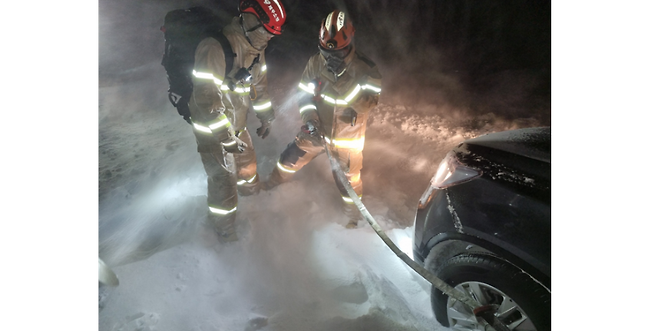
{"points": [[219, 107], [339, 87]]}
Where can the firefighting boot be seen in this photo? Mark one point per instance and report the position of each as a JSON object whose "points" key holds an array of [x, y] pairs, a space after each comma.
{"points": [[246, 187], [227, 234], [353, 214], [224, 227], [276, 177]]}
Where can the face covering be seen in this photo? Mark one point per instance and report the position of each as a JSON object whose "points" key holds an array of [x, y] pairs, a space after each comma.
{"points": [[256, 34], [336, 59]]}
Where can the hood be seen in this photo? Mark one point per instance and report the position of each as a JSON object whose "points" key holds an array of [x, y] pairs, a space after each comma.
{"points": [[534, 143]]}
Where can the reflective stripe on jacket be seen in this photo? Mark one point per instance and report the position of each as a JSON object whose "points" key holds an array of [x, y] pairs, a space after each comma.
{"points": [[212, 97], [343, 102]]}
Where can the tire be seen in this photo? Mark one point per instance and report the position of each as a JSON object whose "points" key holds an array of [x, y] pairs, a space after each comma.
{"points": [[528, 304]]}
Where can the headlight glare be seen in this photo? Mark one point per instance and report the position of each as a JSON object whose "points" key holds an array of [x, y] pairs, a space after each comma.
{"points": [[449, 173], [452, 172]]}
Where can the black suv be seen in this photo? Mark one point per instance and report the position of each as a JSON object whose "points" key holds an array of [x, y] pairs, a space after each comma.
{"points": [[484, 226]]}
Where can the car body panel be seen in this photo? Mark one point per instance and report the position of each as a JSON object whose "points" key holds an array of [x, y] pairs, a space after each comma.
{"points": [[505, 211]]}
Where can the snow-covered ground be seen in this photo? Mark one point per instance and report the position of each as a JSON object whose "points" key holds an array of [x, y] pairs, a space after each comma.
{"points": [[295, 266], [150, 190]]}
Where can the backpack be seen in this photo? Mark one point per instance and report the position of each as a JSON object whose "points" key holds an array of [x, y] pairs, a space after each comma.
{"points": [[183, 30]]}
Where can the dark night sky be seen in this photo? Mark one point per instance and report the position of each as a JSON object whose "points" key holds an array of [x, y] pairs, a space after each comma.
{"points": [[497, 51]]}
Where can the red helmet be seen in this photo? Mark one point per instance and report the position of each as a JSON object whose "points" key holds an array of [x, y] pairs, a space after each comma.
{"points": [[269, 12], [336, 31]]}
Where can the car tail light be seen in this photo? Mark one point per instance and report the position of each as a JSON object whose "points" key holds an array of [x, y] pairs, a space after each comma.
{"points": [[451, 172]]}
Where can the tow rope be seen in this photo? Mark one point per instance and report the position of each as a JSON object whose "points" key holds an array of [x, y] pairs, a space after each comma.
{"points": [[486, 311]]}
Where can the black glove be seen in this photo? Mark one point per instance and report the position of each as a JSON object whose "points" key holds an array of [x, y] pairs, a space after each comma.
{"points": [[234, 145], [264, 129]]}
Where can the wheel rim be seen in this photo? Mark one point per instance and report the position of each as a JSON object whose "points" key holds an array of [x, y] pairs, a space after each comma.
{"points": [[509, 312]]}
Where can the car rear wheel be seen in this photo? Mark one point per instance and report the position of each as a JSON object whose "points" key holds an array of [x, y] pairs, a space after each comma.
{"points": [[522, 303]]}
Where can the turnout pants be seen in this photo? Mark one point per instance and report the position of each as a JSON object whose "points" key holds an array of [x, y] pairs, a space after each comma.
{"points": [[228, 175], [303, 150]]}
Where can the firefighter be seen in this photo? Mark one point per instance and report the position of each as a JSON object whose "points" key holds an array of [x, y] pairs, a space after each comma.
{"points": [[219, 107], [339, 87]]}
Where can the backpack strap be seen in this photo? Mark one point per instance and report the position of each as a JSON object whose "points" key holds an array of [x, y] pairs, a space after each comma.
{"points": [[228, 51]]}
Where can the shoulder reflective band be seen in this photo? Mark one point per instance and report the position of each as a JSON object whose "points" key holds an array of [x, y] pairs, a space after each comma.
{"points": [[284, 169], [356, 143], [221, 211], [250, 180], [307, 107], [219, 122], [263, 68], [263, 106], [218, 82], [371, 87]]}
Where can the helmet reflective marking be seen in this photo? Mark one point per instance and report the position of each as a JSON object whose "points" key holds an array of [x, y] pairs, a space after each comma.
{"points": [[340, 20], [283, 15], [327, 22]]}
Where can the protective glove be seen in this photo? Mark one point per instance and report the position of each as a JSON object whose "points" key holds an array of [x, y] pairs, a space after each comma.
{"points": [[311, 127], [264, 129], [234, 145]]}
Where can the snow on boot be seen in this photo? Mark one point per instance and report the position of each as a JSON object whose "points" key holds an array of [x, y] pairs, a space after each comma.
{"points": [[352, 224], [227, 237], [353, 214], [226, 233]]}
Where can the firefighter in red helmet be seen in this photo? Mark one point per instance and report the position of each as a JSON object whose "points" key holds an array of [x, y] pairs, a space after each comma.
{"points": [[219, 107], [339, 87]]}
